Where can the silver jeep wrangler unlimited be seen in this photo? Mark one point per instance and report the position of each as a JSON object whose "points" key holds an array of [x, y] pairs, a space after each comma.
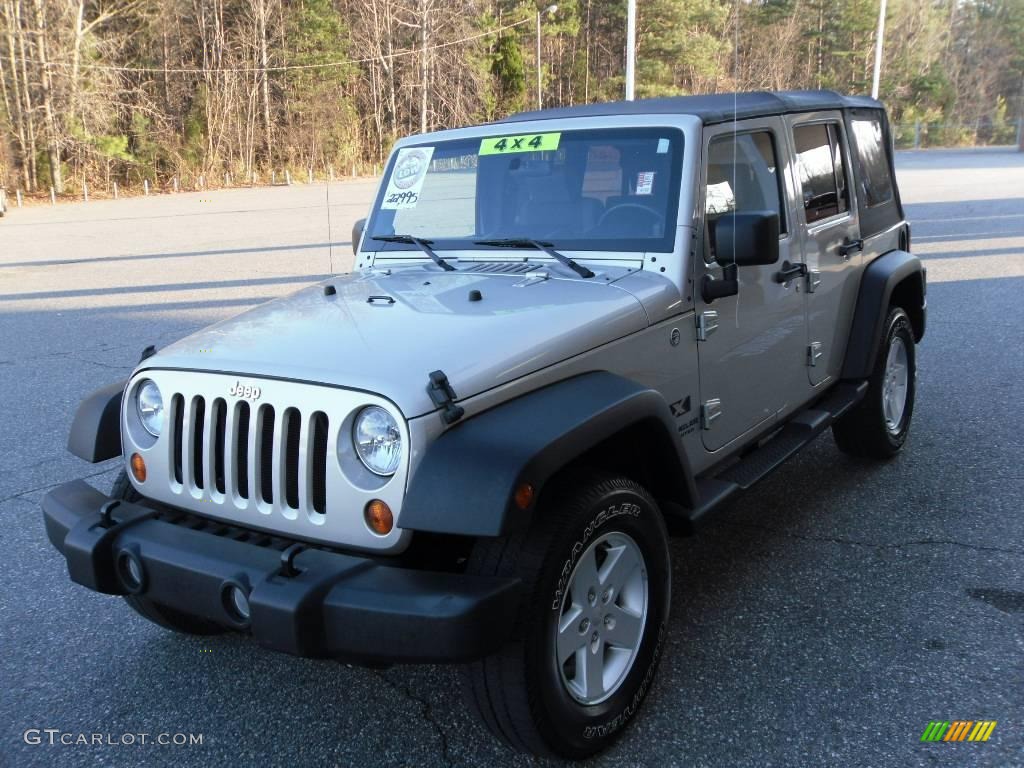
{"points": [[569, 333]]}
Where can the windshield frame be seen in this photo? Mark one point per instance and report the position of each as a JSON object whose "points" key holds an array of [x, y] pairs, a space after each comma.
{"points": [[587, 248]]}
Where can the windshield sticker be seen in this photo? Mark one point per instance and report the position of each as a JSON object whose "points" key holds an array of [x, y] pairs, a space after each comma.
{"points": [[407, 178], [662, 146], [503, 145], [645, 183]]}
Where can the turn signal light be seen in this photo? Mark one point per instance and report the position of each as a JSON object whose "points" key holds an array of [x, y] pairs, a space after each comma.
{"points": [[138, 467], [523, 496], [379, 518]]}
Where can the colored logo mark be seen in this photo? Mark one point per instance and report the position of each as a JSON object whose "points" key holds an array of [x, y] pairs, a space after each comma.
{"points": [[958, 730]]}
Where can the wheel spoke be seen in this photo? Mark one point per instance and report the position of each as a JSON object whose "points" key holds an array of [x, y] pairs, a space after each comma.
{"points": [[590, 671], [617, 567], [569, 639], [585, 576], [625, 632]]}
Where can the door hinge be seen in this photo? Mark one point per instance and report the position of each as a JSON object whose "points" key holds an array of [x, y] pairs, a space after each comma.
{"points": [[709, 411], [813, 353], [707, 323], [813, 280]]}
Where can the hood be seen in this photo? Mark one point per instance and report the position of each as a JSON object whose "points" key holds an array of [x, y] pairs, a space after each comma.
{"points": [[386, 332]]}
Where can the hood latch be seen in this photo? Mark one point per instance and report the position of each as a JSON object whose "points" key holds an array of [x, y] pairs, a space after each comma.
{"points": [[443, 396]]}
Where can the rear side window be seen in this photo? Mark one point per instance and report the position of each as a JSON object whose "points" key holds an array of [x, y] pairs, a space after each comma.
{"points": [[872, 161], [820, 170], [742, 176]]}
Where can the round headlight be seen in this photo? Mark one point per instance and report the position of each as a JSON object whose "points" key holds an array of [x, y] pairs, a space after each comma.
{"points": [[377, 440], [150, 406]]}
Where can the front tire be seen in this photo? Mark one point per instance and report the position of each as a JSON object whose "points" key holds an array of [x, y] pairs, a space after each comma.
{"points": [[588, 636], [161, 615], [878, 426]]}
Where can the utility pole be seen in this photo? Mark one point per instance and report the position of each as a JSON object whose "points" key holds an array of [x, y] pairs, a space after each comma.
{"points": [[878, 50], [540, 95], [631, 49]]}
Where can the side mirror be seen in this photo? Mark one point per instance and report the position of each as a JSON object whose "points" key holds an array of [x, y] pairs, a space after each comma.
{"points": [[357, 235], [747, 239]]}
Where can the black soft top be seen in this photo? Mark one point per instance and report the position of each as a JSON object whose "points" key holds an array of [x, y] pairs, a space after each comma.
{"points": [[711, 108]]}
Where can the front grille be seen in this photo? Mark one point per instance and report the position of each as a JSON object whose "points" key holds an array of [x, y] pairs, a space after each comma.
{"points": [[267, 455], [319, 462], [279, 460], [220, 417], [242, 456], [198, 417], [291, 458], [178, 418], [219, 448]]}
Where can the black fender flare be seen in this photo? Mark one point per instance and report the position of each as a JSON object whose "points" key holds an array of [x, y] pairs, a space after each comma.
{"points": [[96, 430], [896, 272], [466, 480]]}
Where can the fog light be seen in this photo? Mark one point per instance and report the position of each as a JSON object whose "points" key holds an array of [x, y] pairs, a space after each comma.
{"points": [[378, 517], [138, 467], [524, 496], [236, 602], [130, 570]]}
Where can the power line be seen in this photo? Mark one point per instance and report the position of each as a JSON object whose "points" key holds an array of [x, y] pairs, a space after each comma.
{"points": [[279, 68]]}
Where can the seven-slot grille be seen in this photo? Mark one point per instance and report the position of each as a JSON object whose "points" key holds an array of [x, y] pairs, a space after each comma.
{"points": [[279, 459], [250, 452]]}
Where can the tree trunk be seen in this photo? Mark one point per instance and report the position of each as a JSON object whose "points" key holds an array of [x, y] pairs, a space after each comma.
{"points": [[46, 89], [261, 15], [16, 111], [424, 10], [26, 93]]}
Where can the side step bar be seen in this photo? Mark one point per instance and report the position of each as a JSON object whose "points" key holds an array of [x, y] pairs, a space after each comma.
{"points": [[762, 461]]}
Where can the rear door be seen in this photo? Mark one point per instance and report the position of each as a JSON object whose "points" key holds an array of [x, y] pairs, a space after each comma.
{"points": [[751, 347], [830, 238]]}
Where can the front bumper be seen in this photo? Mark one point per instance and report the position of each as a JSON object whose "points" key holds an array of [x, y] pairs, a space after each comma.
{"points": [[327, 604]]}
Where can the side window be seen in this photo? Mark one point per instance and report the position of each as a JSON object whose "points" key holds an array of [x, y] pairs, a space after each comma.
{"points": [[742, 176], [819, 165], [872, 161]]}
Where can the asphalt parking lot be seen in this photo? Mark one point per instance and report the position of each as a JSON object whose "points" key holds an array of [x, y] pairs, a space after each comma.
{"points": [[823, 619]]}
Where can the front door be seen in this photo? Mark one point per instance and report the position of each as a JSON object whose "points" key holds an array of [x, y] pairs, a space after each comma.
{"points": [[832, 249], [752, 347]]}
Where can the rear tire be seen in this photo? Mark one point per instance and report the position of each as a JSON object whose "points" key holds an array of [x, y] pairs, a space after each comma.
{"points": [[607, 615], [161, 615], [878, 426]]}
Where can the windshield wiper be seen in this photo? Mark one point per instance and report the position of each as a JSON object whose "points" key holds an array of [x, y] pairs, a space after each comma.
{"points": [[525, 242], [419, 242]]}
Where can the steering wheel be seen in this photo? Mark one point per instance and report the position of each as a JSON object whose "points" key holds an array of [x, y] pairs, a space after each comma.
{"points": [[621, 207]]}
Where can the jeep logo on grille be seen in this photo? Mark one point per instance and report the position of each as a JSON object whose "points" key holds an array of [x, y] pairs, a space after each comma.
{"points": [[245, 391]]}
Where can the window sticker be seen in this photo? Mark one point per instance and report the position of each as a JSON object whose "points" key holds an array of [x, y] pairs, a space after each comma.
{"points": [[535, 142], [645, 183], [720, 198], [406, 180], [662, 146]]}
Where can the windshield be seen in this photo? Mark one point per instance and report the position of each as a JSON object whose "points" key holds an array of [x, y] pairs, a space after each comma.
{"points": [[602, 190]]}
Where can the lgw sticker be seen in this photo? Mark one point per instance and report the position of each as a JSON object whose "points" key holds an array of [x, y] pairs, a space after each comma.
{"points": [[537, 142], [406, 180]]}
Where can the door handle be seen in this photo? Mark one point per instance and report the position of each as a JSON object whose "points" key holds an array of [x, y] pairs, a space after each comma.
{"points": [[849, 247], [789, 272]]}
